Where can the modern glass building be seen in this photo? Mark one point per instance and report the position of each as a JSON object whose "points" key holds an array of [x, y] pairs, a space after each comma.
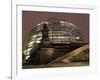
{"points": [[58, 32]]}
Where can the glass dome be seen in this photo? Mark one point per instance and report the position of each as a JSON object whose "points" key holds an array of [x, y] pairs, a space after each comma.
{"points": [[59, 32]]}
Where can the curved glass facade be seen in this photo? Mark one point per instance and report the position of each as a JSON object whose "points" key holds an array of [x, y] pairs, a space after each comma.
{"points": [[59, 32]]}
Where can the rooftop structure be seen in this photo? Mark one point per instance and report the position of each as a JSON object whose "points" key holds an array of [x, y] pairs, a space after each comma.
{"points": [[51, 33]]}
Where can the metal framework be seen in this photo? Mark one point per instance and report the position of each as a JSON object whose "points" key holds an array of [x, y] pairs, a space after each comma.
{"points": [[60, 32]]}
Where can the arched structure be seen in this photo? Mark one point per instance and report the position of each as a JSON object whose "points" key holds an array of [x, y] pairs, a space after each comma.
{"points": [[60, 32]]}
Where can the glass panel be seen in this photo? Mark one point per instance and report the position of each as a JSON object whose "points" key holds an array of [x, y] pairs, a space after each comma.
{"points": [[50, 31], [65, 39], [72, 39], [50, 28], [56, 39], [31, 42], [57, 42], [62, 32], [30, 45], [56, 32], [39, 34], [34, 35], [33, 39], [56, 28], [39, 28], [66, 42], [38, 41], [38, 38], [50, 36]]}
